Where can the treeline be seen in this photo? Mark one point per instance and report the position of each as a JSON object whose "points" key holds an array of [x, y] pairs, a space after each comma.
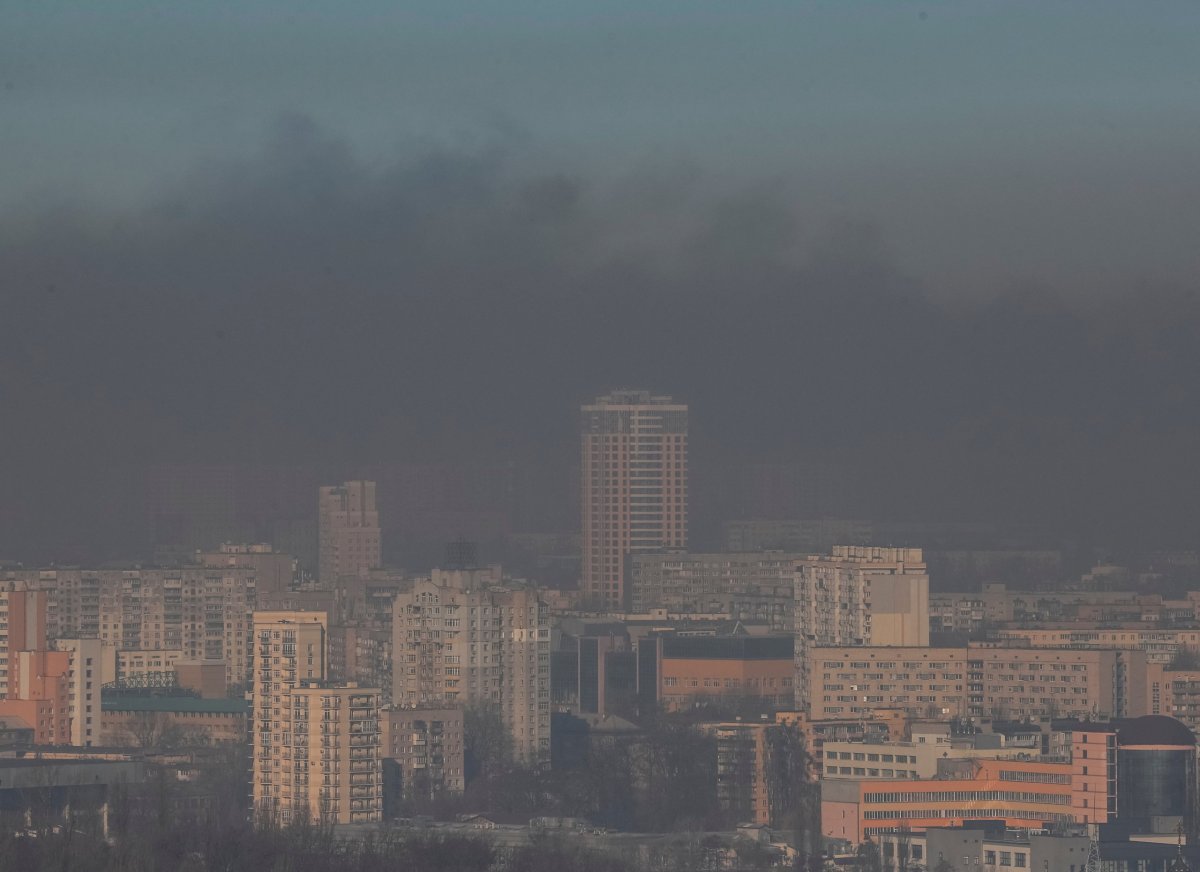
{"points": [[660, 778], [160, 827]]}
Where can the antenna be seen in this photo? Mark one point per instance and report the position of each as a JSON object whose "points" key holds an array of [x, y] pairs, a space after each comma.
{"points": [[1093, 857]]}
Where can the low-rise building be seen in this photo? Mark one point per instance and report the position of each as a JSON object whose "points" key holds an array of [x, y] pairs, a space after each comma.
{"points": [[979, 681], [128, 721], [684, 671], [423, 749], [915, 759], [1027, 794]]}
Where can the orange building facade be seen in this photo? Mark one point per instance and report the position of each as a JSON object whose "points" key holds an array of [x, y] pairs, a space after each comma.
{"points": [[693, 670], [39, 694], [1023, 794]]}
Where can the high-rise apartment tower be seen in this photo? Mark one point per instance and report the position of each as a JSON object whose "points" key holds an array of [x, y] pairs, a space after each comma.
{"points": [[634, 488], [349, 538], [316, 744], [461, 638]]}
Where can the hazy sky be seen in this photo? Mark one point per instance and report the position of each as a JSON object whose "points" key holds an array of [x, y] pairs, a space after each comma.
{"points": [[994, 143], [950, 247]]}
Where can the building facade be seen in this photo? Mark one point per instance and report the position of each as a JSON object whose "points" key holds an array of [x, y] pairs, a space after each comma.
{"points": [[858, 595], [979, 681], [316, 745], [204, 612], [426, 745], [349, 540], [748, 586], [22, 625], [689, 671], [634, 488], [1027, 794], [459, 638]]}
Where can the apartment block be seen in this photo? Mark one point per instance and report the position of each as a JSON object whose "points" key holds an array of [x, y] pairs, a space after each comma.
{"points": [[1160, 645], [85, 676], [39, 693], [349, 539], [634, 488], [273, 570], [425, 743], [858, 595], [759, 769], [22, 625], [459, 638], [337, 770], [316, 745], [979, 681], [753, 586], [204, 612]]}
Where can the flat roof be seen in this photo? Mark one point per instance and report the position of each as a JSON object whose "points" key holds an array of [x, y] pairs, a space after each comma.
{"points": [[188, 704]]}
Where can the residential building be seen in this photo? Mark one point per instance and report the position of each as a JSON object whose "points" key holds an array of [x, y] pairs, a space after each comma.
{"points": [[316, 745], [634, 488], [22, 625], [858, 595], [761, 768], [336, 745], [39, 693], [1160, 644], [460, 638], [979, 681], [57, 692], [425, 745], [273, 570], [84, 679], [349, 541], [755, 586], [877, 725], [204, 612]]}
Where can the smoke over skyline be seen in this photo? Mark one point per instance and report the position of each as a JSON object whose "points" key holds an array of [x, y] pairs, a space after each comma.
{"points": [[974, 298]]}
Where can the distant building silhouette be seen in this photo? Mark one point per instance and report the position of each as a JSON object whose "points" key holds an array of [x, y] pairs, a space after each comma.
{"points": [[634, 486], [350, 541]]}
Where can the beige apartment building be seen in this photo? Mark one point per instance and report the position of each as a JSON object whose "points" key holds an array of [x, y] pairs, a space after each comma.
{"points": [[754, 586], [273, 570], [316, 745], [858, 595], [85, 675], [336, 745], [980, 681], [1159, 645], [426, 743], [204, 612], [349, 539], [459, 638], [634, 487]]}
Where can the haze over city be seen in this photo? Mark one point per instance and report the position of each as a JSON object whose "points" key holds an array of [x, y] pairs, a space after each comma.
{"points": [[623, 421]]}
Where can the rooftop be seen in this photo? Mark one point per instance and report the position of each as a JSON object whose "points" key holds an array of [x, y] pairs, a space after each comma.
{"points": [[174, 704]]}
